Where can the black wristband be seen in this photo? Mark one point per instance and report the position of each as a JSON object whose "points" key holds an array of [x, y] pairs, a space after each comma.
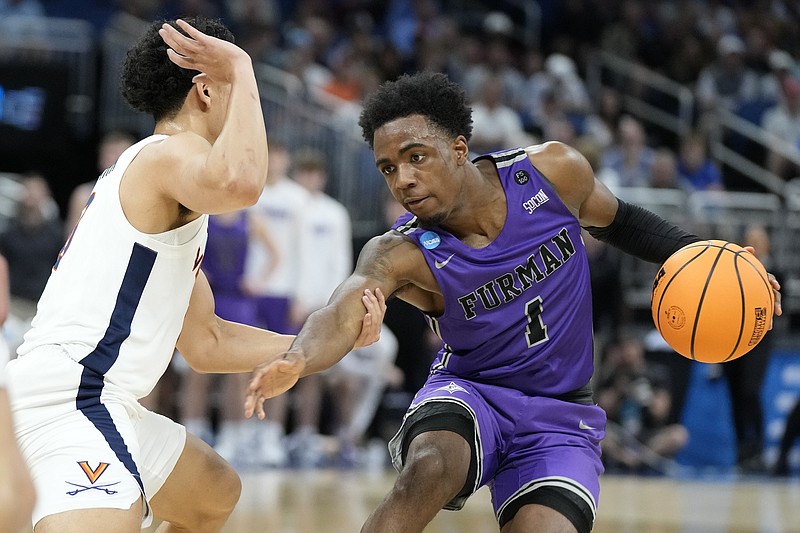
{"points": [[643, 234]]}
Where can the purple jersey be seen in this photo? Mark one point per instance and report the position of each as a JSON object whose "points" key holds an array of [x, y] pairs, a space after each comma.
{"points": [[518, 312], [226, 253]]}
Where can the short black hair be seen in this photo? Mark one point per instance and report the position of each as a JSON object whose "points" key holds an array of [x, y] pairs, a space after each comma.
{"points": [[150, 81], [431, 94]]}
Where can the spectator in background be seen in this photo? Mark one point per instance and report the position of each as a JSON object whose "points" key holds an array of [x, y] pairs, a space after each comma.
{"points": [[782, 121], [410, 22], [628, 162], [664, 171], [781, 66], [30, 244], [499, 124], [636, 397], [745, 375], [728, 81], [498, 57], [283, 204], [696, 171], [229, 237], [110, 148], [327, 261], [356, 385], [610, 313], [791, 433]]}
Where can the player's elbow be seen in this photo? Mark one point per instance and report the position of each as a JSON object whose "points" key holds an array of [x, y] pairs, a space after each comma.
{"points": [[244, 190], [199, 347]]}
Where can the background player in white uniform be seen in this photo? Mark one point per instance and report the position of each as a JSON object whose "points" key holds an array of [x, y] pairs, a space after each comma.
{"points": [[127, 289], [283, 204], [326, 260]]}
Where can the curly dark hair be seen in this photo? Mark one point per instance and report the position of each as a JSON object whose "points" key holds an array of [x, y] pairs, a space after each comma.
{"points": [[153, 84], [430, 94]]}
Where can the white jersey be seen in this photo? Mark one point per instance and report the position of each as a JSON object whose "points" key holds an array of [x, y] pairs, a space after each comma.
{"points": [[116, 297], [282, 204], [327, 253]]}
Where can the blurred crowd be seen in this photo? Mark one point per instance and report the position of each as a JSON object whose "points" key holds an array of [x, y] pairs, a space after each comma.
{"points": [[527, 84]]}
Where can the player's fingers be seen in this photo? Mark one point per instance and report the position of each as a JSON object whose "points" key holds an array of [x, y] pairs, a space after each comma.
{"points": [[260, 408], [776, 289], [381, 298], [175, 39], [249, 405], [254, 404], [193, 32]]}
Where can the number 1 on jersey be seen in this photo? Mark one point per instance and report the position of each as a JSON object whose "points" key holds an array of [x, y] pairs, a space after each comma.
{"points": [[536, 332]]}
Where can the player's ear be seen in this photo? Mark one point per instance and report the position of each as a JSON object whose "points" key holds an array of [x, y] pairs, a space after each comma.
{"points": [[461, 149], [203, 93]]}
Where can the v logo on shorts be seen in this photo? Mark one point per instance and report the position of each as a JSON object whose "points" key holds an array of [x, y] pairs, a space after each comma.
{"points": [[92, 473]]}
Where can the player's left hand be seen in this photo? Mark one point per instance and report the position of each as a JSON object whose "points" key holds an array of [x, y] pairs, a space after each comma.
{"points": [[375, 303], [776, 287]]}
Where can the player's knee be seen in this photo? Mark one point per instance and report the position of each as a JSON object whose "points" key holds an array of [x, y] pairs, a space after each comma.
{"points": [[219, 499], [228, 489], [434, 468]]}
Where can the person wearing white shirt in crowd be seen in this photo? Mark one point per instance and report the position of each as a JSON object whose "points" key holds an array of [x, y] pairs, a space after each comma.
{"points": [[282, 204], [327, 252], [499, 123]]}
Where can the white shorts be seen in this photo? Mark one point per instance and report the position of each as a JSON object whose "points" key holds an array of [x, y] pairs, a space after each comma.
{"points": [[105, 454]]}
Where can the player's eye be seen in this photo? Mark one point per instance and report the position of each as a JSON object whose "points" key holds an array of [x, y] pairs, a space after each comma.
{"points": [[388, 169], [417, 157]]}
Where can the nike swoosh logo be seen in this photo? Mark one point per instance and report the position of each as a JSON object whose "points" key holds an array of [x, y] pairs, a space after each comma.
{"points": [[581, 425], [441, 264]]}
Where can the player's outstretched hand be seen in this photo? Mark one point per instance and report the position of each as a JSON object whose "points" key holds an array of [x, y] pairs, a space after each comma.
{"points": [[375, 303], [274, 378], [270, 380], [216, 59]]}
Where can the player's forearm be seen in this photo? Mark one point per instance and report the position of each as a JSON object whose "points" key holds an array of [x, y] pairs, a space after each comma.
{"points": [[240, 152], [326, 338], [238, 348]]}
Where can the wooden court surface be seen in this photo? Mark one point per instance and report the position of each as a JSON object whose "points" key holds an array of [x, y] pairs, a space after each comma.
{"points": [[335, 501]]}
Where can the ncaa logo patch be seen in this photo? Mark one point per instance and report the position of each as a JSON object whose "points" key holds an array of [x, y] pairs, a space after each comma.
{"points": [[430, 240], [522, 177]]}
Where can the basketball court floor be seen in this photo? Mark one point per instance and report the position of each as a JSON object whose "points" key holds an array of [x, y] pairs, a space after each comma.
{"points": [[336, 501]]}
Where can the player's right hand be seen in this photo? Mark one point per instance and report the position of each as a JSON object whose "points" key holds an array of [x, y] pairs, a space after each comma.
{"points": [[270, 380], [216, 59]]}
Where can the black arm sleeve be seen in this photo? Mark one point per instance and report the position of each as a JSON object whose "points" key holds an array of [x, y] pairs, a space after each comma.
{"points": [[643, 234]]}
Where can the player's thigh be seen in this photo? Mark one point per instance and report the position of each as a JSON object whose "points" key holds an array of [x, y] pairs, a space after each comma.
{"points": [[93, 521], [201, 486], [80, 463]]}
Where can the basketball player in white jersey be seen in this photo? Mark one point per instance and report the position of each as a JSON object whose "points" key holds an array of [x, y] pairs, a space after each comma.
{"points": [[127, 289], [16, 488]]}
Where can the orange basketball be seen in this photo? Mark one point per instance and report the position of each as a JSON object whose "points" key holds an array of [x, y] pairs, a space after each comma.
{"points": [[712, 301]]}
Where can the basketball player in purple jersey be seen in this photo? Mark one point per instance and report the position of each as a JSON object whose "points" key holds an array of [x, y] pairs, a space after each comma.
{"points": [[491, 253]]}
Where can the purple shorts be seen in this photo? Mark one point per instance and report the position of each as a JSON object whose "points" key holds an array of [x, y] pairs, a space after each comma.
{"points": [[521, 442]]}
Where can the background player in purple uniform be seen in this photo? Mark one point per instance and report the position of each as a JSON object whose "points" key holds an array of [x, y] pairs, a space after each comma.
{"points": [[491, 253]]}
